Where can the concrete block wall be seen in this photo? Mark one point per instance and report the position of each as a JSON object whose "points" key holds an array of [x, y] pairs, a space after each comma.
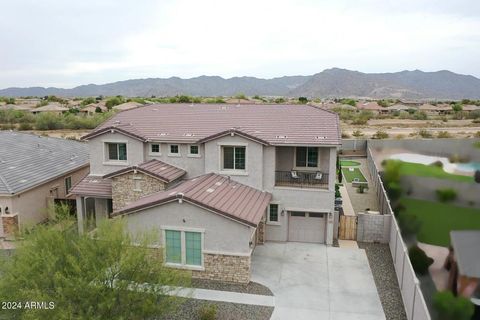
{"points": [[373, 227]]}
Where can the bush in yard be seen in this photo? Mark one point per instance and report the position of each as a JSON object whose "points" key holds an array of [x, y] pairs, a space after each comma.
{"points": [[208, 312], [443, 135], [446, 194], [450, 307], [380, 135], [357, 133], [420, 260], [477, 176], [425, 134], [437, 163], [409, 224]]}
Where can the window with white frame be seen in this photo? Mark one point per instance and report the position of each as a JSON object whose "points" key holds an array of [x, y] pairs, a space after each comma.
{"points": [[155, 148], [234, 157], [68, 184], [174, 150], [183, 248], [193, 150], [116, 151], [306, 157], [273, 212]]}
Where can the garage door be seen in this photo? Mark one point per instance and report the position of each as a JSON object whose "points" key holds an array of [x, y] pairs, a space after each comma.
{"points": [[306, 227]]}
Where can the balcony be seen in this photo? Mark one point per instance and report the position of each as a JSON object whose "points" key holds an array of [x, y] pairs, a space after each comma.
{"points": [[301, 179]]}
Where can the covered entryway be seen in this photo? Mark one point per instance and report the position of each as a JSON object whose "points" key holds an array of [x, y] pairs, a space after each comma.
{"points": [[306, 226]]}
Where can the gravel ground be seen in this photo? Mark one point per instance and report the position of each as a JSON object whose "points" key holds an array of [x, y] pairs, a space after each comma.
{"points": [[190, 310], [251, 287], [383, 271]]}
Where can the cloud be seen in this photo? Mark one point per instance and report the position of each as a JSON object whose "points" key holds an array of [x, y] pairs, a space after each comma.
{"points": [[63, 43]]}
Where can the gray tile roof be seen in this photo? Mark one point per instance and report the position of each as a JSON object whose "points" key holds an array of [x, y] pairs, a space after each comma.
{"points": [[466, 245], [185, 123], [28, 160], [213, 192]]}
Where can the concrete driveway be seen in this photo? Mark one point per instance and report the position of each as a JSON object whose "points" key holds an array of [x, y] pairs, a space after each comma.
{"points": [[312, 281]]}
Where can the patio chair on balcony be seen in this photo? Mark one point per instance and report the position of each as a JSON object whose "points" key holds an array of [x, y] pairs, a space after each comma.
{"points": [[318, 176], [294, 174]]}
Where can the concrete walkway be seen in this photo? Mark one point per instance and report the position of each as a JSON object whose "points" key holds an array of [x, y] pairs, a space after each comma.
{"points": [[346, 203], [312, 281], [225, 296]]}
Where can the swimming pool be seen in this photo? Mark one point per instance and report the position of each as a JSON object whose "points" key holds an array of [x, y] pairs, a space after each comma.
{"points": [[468, 167], [448, 166]]}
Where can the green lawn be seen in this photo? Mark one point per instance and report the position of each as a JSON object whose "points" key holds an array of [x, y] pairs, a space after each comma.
{"points": [[438, 219], [421, 170], [356, 173], [349, 163]]}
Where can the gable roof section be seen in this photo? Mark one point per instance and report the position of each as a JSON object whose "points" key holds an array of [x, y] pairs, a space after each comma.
{"points": [[212, 192], [156, 168], [28, 160], [188, 123], [93, 186], [466, 246]]}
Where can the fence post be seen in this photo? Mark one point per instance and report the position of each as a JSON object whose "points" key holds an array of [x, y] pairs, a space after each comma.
{"points": [[414, 298]]}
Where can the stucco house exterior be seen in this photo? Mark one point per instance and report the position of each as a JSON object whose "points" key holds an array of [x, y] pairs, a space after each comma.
{"points": [[34, 172], [214, 180]]}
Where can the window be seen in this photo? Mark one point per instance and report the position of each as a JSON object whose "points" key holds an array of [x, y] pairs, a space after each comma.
{"points": [[155, 148], [297, 214], [183, 247], [174, 149], [173, 246], [273, 212], [193, 248], [193, 150], [315, 215], [117, 151], [306, 157], [234, 158], [68, 184]]}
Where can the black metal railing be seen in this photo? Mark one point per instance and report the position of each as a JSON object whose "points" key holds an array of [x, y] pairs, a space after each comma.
{"points": [[301, 179]]}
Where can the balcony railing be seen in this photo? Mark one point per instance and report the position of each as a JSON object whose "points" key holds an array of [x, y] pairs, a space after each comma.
{"points": [[301, 179]]}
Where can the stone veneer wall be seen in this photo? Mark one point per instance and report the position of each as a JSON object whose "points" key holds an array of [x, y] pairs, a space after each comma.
{"points": [[124, 188], [261, 232], [225, 268], [9, 224]]}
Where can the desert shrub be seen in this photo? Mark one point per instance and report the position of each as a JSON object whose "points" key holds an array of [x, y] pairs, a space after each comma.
{"points": [[446, 194], [474, 114], [345, 135], [115, 101], [302, 100], [87, 101], [279, 100], [7, 126], [419, 115], [184, 99], [420, 260], [477, 134], [357, 133], [425, 134], [351, 102], [409, 224], [49, 121], [400, 136], [362, 118], [240, 96], [380, 135], [208, 312], [437, 163], [98, 110], [25, 126], [443, 135], [450, 307]]}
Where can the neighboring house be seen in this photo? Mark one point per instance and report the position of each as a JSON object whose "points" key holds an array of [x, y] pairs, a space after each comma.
{"points": [[440, 109], [470, 107], [91, 108], [53, 107], [18, 107], [214, 180], [34, 171], [399, 108], [371, 106], [464, 263]]}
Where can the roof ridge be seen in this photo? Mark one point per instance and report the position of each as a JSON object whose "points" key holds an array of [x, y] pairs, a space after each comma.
{"points": [[5, 183]]}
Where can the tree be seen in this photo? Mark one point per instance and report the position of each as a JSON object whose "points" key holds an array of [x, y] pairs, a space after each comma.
{"points": [[112, 102], [302, 100], [98, 110], [420, 260], [89, 278], [457, 107]]}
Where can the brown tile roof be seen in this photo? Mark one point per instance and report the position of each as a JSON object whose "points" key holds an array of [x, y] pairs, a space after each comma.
{"points": [[213, 192], [156, 168], [372, 105], [186, 123], [93, 186]]}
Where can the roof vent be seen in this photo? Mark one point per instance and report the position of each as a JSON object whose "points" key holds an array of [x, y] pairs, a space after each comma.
{"points": [[320, 137], [163, 134], [189, 134], [117, 122], [218, 183], [23, 181], [223, 107], [180, 196], [281, 137], [210, 190]]}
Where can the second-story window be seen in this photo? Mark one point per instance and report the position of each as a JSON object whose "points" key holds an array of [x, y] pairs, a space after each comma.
{"points": [[174, 150], [306, 157], [68, 184], [193, 150], [155, 148], [117, 151], [234, 158]]}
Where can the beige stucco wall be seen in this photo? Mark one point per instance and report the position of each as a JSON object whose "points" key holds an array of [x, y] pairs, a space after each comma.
{"points": [[31, 205], [221, 235], [98, 163], [194, 165]]}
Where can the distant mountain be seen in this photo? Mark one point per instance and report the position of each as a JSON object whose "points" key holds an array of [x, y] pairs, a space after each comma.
{"points": [[328, 83]]}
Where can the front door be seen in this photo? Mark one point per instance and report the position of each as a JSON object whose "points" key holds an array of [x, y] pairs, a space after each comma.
{"points": [[306, 226]]}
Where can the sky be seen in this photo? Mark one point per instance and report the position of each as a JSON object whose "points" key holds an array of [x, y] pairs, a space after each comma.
{"points": [[65, 43]]}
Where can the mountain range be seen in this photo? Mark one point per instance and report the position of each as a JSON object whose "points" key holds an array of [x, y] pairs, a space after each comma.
{"points": [[333, 82]]}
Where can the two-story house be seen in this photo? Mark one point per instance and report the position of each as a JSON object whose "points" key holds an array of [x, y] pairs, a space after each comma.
{"points": [[214, 180]]}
